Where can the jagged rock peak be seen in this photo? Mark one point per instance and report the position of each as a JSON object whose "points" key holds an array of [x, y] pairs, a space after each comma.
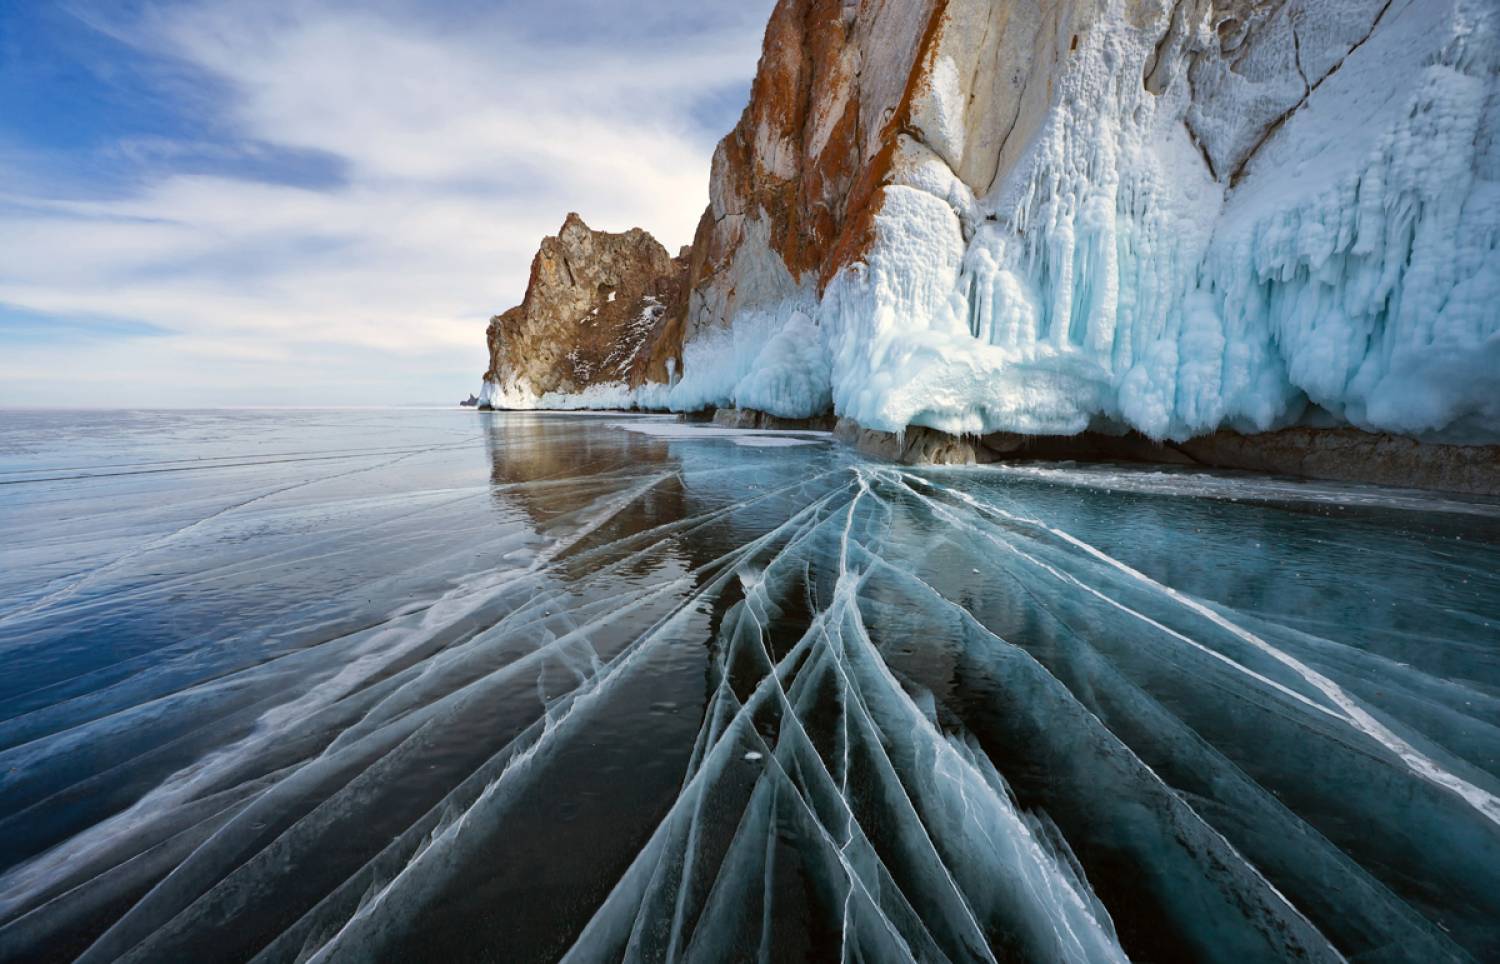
{"points": [[600, 309]]}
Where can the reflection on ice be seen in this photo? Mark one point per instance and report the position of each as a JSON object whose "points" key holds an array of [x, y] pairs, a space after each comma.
{"points": [[670, 428], [590, 694]]}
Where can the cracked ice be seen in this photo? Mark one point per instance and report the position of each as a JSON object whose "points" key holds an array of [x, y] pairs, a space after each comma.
{"points": [[539, 687]]}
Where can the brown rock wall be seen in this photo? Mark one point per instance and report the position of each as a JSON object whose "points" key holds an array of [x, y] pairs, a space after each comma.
{"points": [[599, 309], [1332, 454]]}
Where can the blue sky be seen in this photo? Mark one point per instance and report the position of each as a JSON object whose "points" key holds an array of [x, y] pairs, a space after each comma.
{"points": [[290, 202]]}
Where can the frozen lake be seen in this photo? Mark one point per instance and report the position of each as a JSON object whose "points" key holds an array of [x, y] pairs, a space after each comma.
{"points": [[438, 685]]}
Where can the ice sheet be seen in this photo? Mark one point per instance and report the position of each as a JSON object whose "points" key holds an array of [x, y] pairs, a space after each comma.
{"points": [[790, 702]]}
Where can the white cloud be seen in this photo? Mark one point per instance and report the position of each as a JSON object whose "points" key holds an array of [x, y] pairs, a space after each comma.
{"points": [[461, 148]]}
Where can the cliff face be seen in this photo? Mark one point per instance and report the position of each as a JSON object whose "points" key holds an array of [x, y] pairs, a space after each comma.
{"points": [[800, 165], [1045, 216], [1001, 215], [1170, 216], [598, 318]]}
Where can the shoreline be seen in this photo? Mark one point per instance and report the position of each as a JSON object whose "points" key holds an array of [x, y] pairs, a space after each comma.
{"points": [[1341, 454]]}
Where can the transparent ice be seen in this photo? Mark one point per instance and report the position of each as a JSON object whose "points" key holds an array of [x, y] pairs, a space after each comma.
{"points": [[438, 685]]}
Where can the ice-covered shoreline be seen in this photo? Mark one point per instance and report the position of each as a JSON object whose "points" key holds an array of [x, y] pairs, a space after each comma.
{"points": [[1328, 453], [1203, 223]]}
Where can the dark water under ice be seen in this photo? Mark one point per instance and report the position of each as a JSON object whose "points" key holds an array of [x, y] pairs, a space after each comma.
{"points": [[444, 686]]}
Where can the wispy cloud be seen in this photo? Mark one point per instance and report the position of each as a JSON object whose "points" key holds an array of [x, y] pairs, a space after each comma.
{"points": [[376, 186]]}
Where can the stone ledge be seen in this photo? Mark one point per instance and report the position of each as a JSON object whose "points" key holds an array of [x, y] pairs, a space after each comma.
{"points": [[751, 418], [1349, 455], [1341, 455]]}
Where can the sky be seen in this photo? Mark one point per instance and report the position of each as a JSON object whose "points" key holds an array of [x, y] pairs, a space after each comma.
{"points": [[318, 202]]}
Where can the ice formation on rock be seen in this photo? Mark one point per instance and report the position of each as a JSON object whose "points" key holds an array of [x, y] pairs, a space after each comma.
{"points": [[1172, 216], [1184, 241]]}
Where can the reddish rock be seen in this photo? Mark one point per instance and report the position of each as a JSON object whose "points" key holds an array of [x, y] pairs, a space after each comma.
{"points": [[794, 186], [599, 309]]}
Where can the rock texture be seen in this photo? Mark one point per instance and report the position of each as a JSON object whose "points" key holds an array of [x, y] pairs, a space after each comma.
{"points": [[1351, 456], [751, 419], [799, 175], [849, 101], [600, 311], [915, 446], [1340, 455]]}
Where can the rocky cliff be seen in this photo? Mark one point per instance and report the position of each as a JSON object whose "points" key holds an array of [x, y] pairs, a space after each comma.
{"points": [[1172, 217], [601, 317]]}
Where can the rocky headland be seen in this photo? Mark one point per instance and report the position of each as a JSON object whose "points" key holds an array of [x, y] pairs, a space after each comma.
{"points": [[1261, 234], [602, 313]]}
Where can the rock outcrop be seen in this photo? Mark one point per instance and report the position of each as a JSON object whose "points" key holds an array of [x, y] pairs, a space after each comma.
{"points": [[1347, 455], [601, 313], [793, 186]]}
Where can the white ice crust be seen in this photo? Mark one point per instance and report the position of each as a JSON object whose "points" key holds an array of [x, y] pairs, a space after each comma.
{"points": [[1353, 265]]}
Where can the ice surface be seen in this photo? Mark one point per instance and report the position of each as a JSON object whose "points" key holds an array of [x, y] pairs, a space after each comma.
{"points": [[753, 438], [416, 685]]}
